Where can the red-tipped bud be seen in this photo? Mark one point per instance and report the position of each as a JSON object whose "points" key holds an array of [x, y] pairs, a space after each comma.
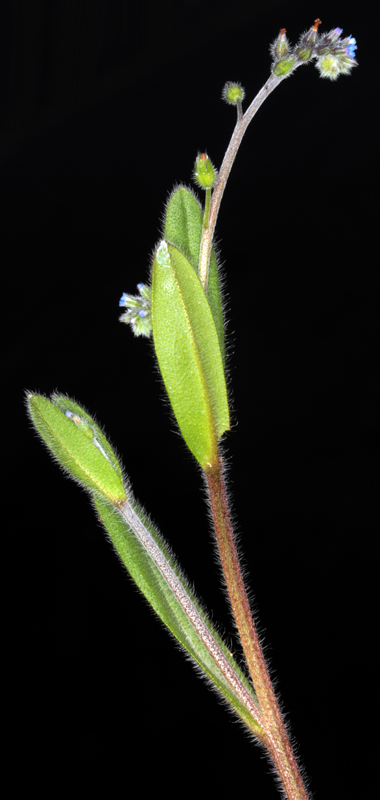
{"points": [[204, 172]]}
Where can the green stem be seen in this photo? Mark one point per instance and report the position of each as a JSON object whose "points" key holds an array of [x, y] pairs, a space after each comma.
{"points": [[277, 739], [229, 158], [207, 209]]}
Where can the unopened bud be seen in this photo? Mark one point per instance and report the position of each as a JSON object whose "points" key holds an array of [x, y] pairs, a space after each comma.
{"points": [[284, 67], [233, 93], [305, 48], [204, 172], [280, 46]]}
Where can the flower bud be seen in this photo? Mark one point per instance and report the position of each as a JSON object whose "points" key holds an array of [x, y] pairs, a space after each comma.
{"points": [[280, 46], [284, 67], [329, 67], [305, 48], [204, 172], [233, 93]]}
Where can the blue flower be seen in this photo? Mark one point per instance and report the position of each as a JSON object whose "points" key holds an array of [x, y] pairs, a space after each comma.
{"points": [[138, 313], [123, 300], [351, 47]]}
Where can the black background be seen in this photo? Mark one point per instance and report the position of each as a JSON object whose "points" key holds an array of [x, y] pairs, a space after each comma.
{"points": [[103, 109]]}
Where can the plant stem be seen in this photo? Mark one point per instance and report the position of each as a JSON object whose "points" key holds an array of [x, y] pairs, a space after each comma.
{"points": [[206, 213], [277, 739], [229, 158]]}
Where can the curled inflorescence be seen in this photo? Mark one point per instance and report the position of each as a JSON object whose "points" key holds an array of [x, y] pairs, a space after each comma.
{"points": [[334, 55]]}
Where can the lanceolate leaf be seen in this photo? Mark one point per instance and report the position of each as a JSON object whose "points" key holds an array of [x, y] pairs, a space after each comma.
{"points": [[149, 563], [81, 448], [183, 228], [188, 353]]}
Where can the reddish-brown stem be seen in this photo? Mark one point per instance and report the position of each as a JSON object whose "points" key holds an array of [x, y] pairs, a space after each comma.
{"points": [[277, 739]]}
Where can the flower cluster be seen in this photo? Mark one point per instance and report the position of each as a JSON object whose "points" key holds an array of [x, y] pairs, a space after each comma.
{"points": [[335, 56], [138, 314]]}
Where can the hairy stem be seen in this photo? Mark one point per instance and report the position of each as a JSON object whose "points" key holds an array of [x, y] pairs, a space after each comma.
{"points": [[229, 158], [277, 739], [207, 208]]}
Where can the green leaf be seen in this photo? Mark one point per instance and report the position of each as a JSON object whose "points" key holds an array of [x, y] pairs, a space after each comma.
{"points": [[183, 228], [188, 353], [78, 444], [150, 565]]}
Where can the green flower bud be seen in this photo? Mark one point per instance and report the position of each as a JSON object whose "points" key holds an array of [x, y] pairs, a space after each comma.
{"points": [[204, 172], [284, 67], [304, 53], [280, 46], [329, 66], [233, 93], [305, 49]]}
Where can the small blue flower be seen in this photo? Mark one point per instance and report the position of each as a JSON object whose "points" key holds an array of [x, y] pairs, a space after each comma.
{"points": [[138, 313], [123, 300], [351, 47]]}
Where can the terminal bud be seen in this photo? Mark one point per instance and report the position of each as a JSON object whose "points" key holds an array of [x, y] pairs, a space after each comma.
{"points": [[335, 56]]}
